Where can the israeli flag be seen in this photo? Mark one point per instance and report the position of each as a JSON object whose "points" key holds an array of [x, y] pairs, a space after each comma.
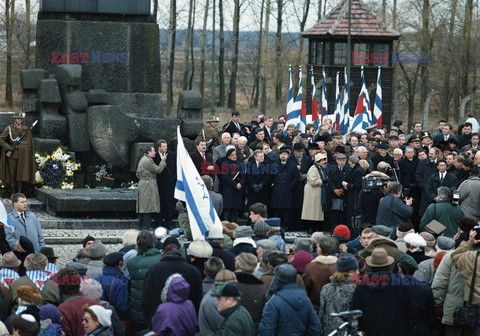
{"points": [[191, 189]]}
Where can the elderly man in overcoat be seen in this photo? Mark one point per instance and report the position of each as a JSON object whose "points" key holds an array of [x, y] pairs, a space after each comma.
{"points": [[148, 201]]}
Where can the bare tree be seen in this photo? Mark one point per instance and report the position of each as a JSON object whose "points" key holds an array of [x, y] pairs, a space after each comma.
{"points": [[192, 60], [303, 21], [202, 48], [9, 19], [447, 92], [384, 11], [278, 54], [467, 41], [256, 82], [221, 58], [188, 44], [263, 71], [319, 14], [172, 32], [27, 33], [232, 96]]}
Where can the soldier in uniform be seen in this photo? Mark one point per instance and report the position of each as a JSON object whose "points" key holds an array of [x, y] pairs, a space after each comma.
{"points": [[17, 163], [211, 133]]}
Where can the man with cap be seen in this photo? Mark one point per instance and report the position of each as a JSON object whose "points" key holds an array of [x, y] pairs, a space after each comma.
{"points": [[423, 307], [337, 174], [243, 241], [416, 247], [8, 271], [284, 183], [386, 307], [216, 239], [211, 133], [115, 284], [315, 193], [96, 252], [171, 262], [426, 269], [237, 320], [17, 162], [209, 318], [52, 260], [289, 311], [382, 155]]}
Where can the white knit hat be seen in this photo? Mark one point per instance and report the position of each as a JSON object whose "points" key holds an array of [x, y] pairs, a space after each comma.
{"points": [[103, 315], [415, 240]]}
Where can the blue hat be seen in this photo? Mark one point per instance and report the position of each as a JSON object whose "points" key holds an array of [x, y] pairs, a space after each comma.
{"points": [[347, 263]]}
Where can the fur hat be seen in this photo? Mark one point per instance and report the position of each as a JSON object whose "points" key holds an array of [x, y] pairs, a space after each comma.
{"points": [[429, 239], [347, 263], [246, 262], [200, 249], [415, 240], [403, 229], [229, 228], [225, 276], [91, 288], [29, 294]]}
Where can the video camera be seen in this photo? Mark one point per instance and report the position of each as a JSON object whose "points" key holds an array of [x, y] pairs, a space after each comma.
{"points": [[456, 197], [374, 183]]}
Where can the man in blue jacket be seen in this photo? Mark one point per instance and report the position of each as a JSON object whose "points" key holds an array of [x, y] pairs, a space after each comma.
{"points": [[23, 222], [289, 311]]}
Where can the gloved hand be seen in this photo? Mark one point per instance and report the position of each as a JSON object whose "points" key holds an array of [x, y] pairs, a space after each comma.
{"points": [[338, 192], [303, 177]]}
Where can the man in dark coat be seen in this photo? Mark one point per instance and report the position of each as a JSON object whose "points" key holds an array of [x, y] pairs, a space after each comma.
{"points": [[302, 162], [216, 239], [337, 173], [201, 159], [408, 167], [353, 185], [386, 307], [234, 126], [259, 179], [424, 170], [284, 182], [233, 181], [166, 181], [172, 262], [382, 155], [441, 179]]}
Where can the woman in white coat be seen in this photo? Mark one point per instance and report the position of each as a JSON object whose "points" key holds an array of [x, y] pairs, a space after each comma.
{"points": [[312, 210]]}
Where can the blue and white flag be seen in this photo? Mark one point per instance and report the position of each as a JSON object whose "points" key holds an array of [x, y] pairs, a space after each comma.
{"points": [[293, 115], [191, 189], [377, 109], [324, 113], [345, 110], [363, 116]]}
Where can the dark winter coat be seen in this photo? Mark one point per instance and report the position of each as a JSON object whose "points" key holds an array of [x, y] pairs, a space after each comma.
{"points": [[354, 180], [232, 198], [176, 316], [261, 177], [376, 159], [137, 268], [336, 176], [227, 257], [157, 275], [317, 274], [299, 187], [166, 181], [407, 172], [237, 322], [425, 169], [387, 308], [369, 201], [450, 181], [283, 188], [243, 247], [392, 212], [288, 313], [115, 290], [199, 163], [253, 295], [71, 310]]}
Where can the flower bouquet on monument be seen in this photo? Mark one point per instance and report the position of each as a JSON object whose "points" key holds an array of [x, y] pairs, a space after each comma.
{"points": [[55, 170]]}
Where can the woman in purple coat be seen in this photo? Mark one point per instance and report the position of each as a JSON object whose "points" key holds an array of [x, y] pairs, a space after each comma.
{"points": [[176, 316]]}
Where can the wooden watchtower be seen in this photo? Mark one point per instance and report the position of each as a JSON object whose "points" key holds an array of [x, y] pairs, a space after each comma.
{"points": [[371, 46]]}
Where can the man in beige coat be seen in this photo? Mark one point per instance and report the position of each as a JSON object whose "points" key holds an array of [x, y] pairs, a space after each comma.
{"points": [[312, 209], [148, 200]]}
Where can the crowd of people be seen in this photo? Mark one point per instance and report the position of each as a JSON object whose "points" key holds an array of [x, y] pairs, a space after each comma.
{"points": [[394, 233]]}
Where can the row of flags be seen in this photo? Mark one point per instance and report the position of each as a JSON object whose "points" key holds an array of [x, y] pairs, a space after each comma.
{"points": [[362, 119], [190, 187]]}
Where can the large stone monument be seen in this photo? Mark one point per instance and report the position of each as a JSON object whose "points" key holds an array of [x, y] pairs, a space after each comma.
{"points": [[97, 87]]}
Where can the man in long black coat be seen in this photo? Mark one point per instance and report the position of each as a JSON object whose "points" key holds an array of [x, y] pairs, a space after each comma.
{"points": [[442, 178], [259, 179], [166, 181], [353, 185], [337, 174], [408, 167], [424, 170], [302, 162], [284, 182]]}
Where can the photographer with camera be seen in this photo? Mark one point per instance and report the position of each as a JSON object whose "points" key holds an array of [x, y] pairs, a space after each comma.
{"points": [[392, 211], [444, 212]]}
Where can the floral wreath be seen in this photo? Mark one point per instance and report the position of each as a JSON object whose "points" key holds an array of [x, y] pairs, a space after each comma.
{"points": [[56, 170]]}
